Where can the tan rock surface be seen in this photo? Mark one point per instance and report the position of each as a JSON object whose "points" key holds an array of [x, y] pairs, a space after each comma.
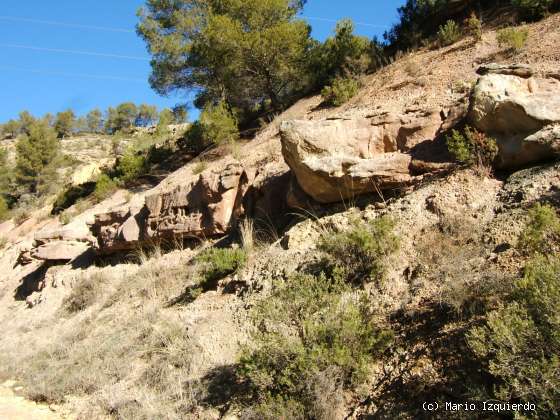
{"points": [[338, 159], [14, 407], [519, 113]]}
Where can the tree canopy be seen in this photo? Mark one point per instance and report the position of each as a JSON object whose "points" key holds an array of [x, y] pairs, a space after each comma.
{"points": [[245, 52], [64, 123], [35, 152]]}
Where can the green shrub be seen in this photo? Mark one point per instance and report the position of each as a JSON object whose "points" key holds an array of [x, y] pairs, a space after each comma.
{"points": [[130, 166], [199, 167], [276, 408], [104, 187], [449, 33], [4, 210], [65, 217], [361, 251], [310, 326], [473, 147], [474, 26], [520, 343], [218, 124], [513, 39], [542, 230], [340, 91], [217, 263], [68, 197]]}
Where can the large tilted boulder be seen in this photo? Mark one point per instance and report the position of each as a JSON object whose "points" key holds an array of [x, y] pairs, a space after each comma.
{"points": [[204, 207], [338, 159], [522, 113]]}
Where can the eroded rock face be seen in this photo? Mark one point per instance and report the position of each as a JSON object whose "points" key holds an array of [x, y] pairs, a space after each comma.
{"points": [[337, 159], [521, 113], [206, 207]]}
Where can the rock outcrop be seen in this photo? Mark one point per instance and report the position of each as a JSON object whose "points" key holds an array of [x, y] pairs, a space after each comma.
{"points": [[58, 245], [338, 159], [205, 207], [522, 113]]}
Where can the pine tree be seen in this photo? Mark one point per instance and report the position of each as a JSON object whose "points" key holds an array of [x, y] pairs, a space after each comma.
{"points": [[35, 152], [26, 120], [147, 114], [246, 52], [64, 123], [94, 120]]}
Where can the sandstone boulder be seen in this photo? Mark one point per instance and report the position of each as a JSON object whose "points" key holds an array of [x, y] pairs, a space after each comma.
{"points": [[338, 159], [521, 70], [59, 250], [86, 173], [57, 244], [72, 232], [204, 207], [520, 113], [115, 230]]}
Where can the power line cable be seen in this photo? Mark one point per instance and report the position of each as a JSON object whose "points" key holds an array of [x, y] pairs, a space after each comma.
{"points": [[65, 24], [79, 75], [75, 52], [123, 30], [321, 19]]}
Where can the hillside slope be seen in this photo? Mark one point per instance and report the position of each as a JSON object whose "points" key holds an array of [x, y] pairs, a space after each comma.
{"points": [[124, 332]]}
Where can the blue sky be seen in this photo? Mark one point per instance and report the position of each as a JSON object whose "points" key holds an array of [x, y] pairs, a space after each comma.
{"points": [[83, 54]]}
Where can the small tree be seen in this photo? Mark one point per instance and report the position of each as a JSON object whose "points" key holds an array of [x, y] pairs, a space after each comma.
{"points": [[5, 172], [35, 152], [147, 115], [64, 123], [218, 124], [26, 120], [474, 26], [180, 114], [340, 91], [341, 56], [122, 118], [94, 120], [473, 147], [130, 166], [11, 129], [449, 33], [165, 120]]}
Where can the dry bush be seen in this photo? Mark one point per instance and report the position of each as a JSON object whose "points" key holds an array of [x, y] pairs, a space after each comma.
{"points": [[453, 268], [155, 280], [412, 68], [84, 294], [199, 167], [125, 361], [247, 233]]}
